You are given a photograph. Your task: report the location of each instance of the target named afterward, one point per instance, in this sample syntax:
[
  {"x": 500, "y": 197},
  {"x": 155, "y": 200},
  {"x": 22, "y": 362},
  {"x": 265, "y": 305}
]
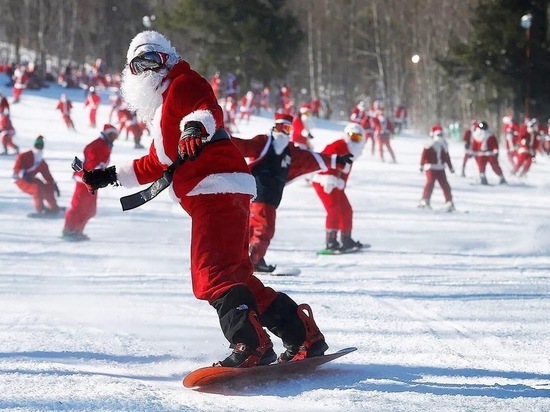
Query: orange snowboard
[{"x": 218, "y": 375}]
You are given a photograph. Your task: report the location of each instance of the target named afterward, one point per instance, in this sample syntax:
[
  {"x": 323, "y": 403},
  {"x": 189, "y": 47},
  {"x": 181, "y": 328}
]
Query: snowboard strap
[{"x": 139, "y": 198}]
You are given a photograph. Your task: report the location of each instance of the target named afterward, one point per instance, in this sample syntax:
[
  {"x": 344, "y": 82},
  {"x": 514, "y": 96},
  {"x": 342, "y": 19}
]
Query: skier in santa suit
[
  {"x": 273, "y": 162},
  {"x": 528, "y": 145},
  {"x": 214, "y": 186},
  {"x": 359, "y": 114},
  {"x": 434, "y": 158},
  {"x": 6, "y": 134},
  {"x": 97, "y": 155},
  {"x": 64, "y": 105},
  {"x": 301, "y": 128},
  {"x": 467, "y": 140},
  {"x": 485, "y": 150},
  {"x": 30, "y": 164},
  {"x": 92, "y": 102},
  {"x": 330, "y": 186},
  {"x": 383, "y": 129},
  {"x": 20, "y": 80},
  {"x": 510, "y": 132}
]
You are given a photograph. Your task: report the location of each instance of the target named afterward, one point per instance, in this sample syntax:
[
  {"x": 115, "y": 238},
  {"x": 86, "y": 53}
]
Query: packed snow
[{"x": 449, "y": 311}]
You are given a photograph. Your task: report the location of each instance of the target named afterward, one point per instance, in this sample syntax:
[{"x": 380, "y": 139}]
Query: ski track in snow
[{"x": 449, "y": 310}]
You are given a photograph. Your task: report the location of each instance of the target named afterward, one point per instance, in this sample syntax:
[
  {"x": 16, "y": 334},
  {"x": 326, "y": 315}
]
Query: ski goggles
[
  {"x": 355, "y": 137},
  {"x": 152, "y": 60},
  {"x": 283, "y": 128}
]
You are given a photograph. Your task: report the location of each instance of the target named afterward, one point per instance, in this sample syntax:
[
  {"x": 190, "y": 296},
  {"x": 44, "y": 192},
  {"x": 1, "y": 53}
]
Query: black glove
[
  {"x": 451, "y": 170},
  {"x": 191, "y": 140},
  {"x": 343, "y": 160},
  {"x": 98, "y": 178},
  {"x": 309, "y": 136},
  {"x": 57, "y": 191}
]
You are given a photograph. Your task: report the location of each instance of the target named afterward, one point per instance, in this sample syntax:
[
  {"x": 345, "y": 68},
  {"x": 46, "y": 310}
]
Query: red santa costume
[
  {"x": 485, "y": 150},
  {"x": 528, "y": 145},
  {"x": 383, "y": 129},
  {"x": 97, "y": 155},
  {"x": 330, "y": 186},
  {"x": 467, "y": 140},
  {"x": 246, "y": 106},
  {"x": 116, "y": 102},
  {"x": 20, "y": 80},
  {"x": 215, "y": 83},
  {"x": 64, "y": 105},
  {"x": 4, "y": 105},
  {"x": 435, "y": 156},
  {"x": 92, "y": 102},
  {"x": 301, "y": 128},
  {"x": 30, "y": 164},
  {"x": 128, "y": 120},
  {"x": 510, "y": 133},
  {"x": 215, "y": 188},
  {"x": 273, "y": 163},
  {"x": 400, "y": 118},
  {"x": 7, "y": 132}
]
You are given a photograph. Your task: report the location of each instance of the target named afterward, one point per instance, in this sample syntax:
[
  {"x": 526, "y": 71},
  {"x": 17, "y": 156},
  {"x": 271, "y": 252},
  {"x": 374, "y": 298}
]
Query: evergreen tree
[
  {"x": 496, "y": 53},
  {"x": 253, "y": 38}
]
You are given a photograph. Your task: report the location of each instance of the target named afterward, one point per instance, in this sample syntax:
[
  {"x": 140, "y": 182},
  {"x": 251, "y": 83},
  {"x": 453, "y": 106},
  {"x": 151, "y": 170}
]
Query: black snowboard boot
[
  {"x": 296, "y": 327},
  {"x": 240, "y": 324},
  {"x": 349, "y": 243},
  {"x": 261, "y": 266},
  {"x": 332, "y": 243}
]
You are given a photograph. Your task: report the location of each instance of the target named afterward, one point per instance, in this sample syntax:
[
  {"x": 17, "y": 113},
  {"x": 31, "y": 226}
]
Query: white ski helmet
[
  {"x": 151, "y": 40},
  {"x": 354, "y": 128}
]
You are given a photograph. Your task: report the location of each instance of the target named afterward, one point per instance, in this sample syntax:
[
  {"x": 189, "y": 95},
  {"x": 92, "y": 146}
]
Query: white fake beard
[
  {"x": 356, "y": 148},
  {"x": 143, "y": 92},
  {"x": 280, "y": 142}
]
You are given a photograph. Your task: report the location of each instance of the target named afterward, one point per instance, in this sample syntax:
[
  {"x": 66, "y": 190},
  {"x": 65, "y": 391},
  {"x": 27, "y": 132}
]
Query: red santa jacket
[
  {"x": 30, "y": 163},
  {"x": 220, "y": 168},
  {"x": 435, "y": 156},
  {"x": 383, "y": 127},
  {"x": 335, "y": 178},
  {"x": 4, "y": 105},
  {"x": 6, "y": 124},
  {"x": 300, "y": 132},
  {"x": 485, "y": 147},
  {"x": 64, "y": 107},
  {"x": 92, "y": 100},
  {"x": 528, "y": 142}
]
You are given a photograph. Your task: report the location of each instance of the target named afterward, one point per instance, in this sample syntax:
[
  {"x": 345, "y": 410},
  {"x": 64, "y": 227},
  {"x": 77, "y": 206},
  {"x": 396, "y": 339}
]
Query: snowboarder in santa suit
[
  {"x": 7, "y": 132},
  {"x": 214, "y": 186},
  {"x": 301, "y": 128},
  {"x": 30, "y": 164},
  {"x": 485, "y": 150},
  {"x": 330, "y": 186},
  {"x": 528, "y": 145},
  {"x": 434, "y": 158},
  {"x": 97, "y": 155},
  {"x": 64, "y": 105},
  {"x": 273, "y": 163}
]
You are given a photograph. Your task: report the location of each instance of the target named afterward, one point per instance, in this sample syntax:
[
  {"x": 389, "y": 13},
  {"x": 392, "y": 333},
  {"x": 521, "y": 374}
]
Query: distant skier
[
  {"x": 434, "y": 158},
  {"x": 467, "y": 140},
  {"x": 64, "y": 105},
  {"x": 92, "y": 102},
  {"x": 32, "y": 175},
  {"x": 485, "y": 150},
  {"x": 529, "y": 143},
  {"x": 383, "y": 130},
  {"x": 301, "y": 128},
  {"x": 274, "y": 162},
  {"x": 330, "y": 186},
  {"x": 7, "y": 132}
]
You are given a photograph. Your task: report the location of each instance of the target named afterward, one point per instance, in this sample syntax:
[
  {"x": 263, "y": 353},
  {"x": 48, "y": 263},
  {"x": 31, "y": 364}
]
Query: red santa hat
[
  {"x": 151, "y": 40},
  {"x": 283, "y": 118},
  {"x": 108, "y": 129},
  {"x": 305, "y": 108},
  {"x": 436, "y": 130}
]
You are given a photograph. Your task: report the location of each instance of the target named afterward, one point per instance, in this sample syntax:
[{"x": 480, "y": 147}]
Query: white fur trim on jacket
[
  {"x": 127, "y": 176},
  {"x": 203, "y": 116},
  {"x": 158, "y": 139},
  {"x": 225, "y": 183},
  {"x": 321, "y": 162}
]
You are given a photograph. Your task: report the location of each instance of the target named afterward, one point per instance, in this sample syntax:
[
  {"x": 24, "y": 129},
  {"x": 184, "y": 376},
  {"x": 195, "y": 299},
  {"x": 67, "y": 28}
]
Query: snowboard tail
[{"x": 219, "y": 375}]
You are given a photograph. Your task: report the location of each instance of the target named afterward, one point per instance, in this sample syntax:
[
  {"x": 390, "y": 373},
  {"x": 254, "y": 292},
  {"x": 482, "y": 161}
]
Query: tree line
[{"x": 474, "y": 59}]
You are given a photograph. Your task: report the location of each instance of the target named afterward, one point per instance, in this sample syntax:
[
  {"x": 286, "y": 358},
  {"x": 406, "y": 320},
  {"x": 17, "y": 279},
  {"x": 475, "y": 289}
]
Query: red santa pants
[
  {"x": 83, "y": 208},
  {"x": 262, "y": 229},
  {"x": 93, "y": 115},
  {"x": 339, "y": 211},
  {"x": 17, "y": 91},
  {"x": 384, "y": 141},
  {"x": 492, "y": 160},
  {"x": 431, "y": 177},
  {"x": 523, "y": 160},
  {"x": 40, "y": 191},
  {"x": 219, "y": 247},
  {"x": 7, "y": 140}
]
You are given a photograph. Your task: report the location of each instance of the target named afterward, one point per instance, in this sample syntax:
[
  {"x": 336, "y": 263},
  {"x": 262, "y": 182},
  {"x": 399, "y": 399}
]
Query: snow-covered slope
[{"x": 450, "y": 312}]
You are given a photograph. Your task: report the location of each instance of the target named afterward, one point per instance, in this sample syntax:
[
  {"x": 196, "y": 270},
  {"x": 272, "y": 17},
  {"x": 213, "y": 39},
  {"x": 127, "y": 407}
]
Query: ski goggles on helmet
[
  {"x": 355, "y": 137},
  {"x": 283, "y": 128},
  {"x": 152, "y": 60}
]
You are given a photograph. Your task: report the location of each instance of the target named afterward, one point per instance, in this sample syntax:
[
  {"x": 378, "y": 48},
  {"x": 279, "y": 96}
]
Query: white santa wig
[{"x": 151, "y": 40}]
